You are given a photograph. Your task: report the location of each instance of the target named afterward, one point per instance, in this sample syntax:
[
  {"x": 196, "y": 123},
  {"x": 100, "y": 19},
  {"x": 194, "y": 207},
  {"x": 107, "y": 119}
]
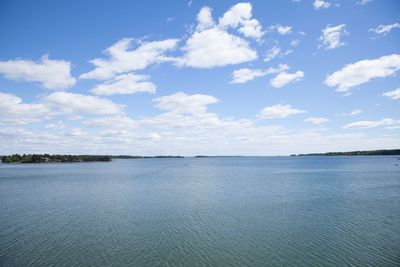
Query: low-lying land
[
  {"x": 43, "y": 158},
  {"x": 382, "y": 152}
]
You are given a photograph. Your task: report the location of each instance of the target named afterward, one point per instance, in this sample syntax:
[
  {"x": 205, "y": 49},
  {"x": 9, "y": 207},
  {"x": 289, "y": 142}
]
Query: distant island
[
  {"x": 146, "y": 157},
  {"x": 382, "y": 152},
  {"x": 46, "y": 158}
]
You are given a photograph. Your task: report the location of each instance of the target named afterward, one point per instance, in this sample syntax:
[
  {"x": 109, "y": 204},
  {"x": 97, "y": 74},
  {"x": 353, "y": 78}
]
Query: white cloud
[
  {"x": 278, "y": 111},
  {"x": 371, "y": 124},
  {"x": 76, "y": 103},
  {"x": 285, "y": 78},
  {"x": 244, "y": 75},
  {"x": 58, "y": 125},
  {"x": 282, "y": 29},
  {"x": 363, "y": 71},
  {"x": 295, "y": 42},
  {"x": 317, "y": 120},
  {"x": 113, "y": 122},
  {"x": 330, "y": 38},
  {"x": 395, "y": 94},
  {"x": 363, "y": 2},
  {"x": 52, "y": 74},
  {"x": 211, "y": 45},
  {"x": 274, "y": 52},
  {"x": 125, "y": 84},
  {"x": 216, "y": 48},
  {"x": 122, "y": 60},
  {"x": 240, "y": 15},
  {"x": 318, "y": 4},
  {"x": 14, "y": 111},
  {"x": 185, "y": 104},
  {"x": 251, "y": 28},
  {"x": 204, "y": 19},
  {"x": 355, "y": 112},
  {"x": 385, "y": 29}
]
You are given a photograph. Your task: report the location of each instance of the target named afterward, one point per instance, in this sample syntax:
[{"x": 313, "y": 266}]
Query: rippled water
[{"x": 274, "y": 211}]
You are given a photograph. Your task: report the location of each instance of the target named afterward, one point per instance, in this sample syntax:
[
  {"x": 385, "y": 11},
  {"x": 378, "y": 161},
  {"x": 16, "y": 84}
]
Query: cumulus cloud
[
  {"x": 317, "y": 120},
  {"x": 125, "y": 84},
  {"x": 204, "y": 19},
  {"x": 77, "y": 103},
  {"x": 395, "y": 94},
  {"x": 385, "y": 29},
  {"x": 52, "y": 74},
  {"x": 216, "y": 48},
  {"x": 185, "y": 104},
  {"x": 122, "y": 59},
  {"x": 331, "y": 35},
  {"x": 321, "y": 4},
  {"x": 14, "y": 111},
  {"x": 211, "y": 45},
  {"x": 363, "y": 71},
  {"x": 245, "y": 74},
  {"x": 285, "y": 78},
  {"x": 240, "y": 15},
  {"x": 371, "y": 124},
  {"x": 278, "y": 111}
]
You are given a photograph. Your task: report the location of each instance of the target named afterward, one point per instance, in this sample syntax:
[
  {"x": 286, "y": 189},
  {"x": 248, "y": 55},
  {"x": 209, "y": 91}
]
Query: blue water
[{"x": 261, "y": 211}]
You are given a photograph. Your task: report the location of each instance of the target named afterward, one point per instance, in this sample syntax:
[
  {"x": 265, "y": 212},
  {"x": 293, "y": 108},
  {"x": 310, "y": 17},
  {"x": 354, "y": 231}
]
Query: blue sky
[{"x": 199, "y": 77}]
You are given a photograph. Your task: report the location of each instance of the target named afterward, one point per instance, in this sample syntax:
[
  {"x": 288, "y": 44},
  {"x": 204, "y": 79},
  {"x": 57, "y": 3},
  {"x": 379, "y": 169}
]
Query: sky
[{"x": 199, "y": 77}]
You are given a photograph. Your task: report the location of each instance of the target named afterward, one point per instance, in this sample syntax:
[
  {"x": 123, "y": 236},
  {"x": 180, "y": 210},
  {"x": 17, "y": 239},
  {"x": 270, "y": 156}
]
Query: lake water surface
[{"x": 249, "y": 211}]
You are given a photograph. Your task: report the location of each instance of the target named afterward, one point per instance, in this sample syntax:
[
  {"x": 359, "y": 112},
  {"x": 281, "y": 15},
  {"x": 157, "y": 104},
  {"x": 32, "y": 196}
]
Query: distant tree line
[
  {"x": 39, "y": 158},
  {"x": 144, "y": 157},
  {"x": 382, "y": 152}
]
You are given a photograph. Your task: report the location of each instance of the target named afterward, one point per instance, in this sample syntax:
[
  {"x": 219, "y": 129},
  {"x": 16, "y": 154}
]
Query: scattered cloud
[
  {"x": 281, "y": 29},
  {"x": 321, "y": 4},
  {"x": 363, "y": 71},
  {"x": 185, "y": 104},
  {"x": 363, "y": 2},
  {"x": 331, "y": 35},
  {"x": 317, "y": 120},
  {"x": 395, "y": 94},
  {"x": 278, "y": 111},
  {"x": 285, "y": 78},
  {"x": 355, "y": 112},
  {"x": 122, "y": 59},
  {"x": 57, "y": 125},
  {"x": 295, "y": 42},
  {"x": 371, "y": 124},
  {"x": 77, "y": 103},
  {"x": 52, "y": 74},
  {"x": 385, "y": 29},
  {"x": 274, "y": 52},
  {"x": 244, "y": 75},
  {"x": 14, "y": 111},
  {"x": 125, "y": 84},
  {"x": 112, "y": 122}
]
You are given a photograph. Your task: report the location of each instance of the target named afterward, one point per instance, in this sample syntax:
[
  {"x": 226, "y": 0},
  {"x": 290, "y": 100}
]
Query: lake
[{"x": 224, "y": 211}]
